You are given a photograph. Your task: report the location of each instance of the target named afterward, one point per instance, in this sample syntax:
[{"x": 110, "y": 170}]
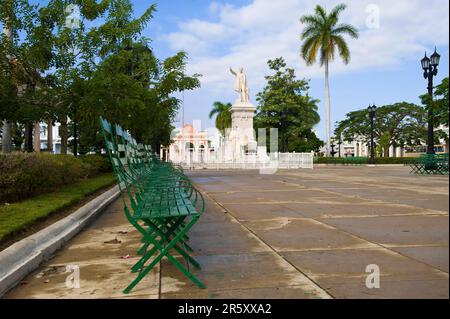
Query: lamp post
[
  {"x": 333, "y": 152},
  {"x": 429, "y": 66},
  {"x": 339, "y": 145},
  {"x": 372, "y": 112}
]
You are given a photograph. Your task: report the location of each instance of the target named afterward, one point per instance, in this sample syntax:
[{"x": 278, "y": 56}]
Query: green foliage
[
  {"x": 324, "y": 34},
  {"x": 17, "y": 216},
  {"x": 404, "y": 123},
  {"x": 441, "y": 102},
  {"x": 364, "y": 160},
  {"x": 285, "y": 104},
  {"x": 79, "y": 74},
  {"x": 222, "y": 111},
  {"x": 96, "y": 164},
  {"x": 383, "y": 144},
  {"x": 23, "y": 175}
]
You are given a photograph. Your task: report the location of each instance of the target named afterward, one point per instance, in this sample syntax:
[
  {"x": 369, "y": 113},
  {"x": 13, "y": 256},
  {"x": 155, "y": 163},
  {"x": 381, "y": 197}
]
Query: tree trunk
[
  {"x": 64, "y": 134},
  {"x": 37, "y": 138},
  {"x": 6, "y": 129},
  {"x": 29, "y": 137},
  {"x": 328, "y": 107},
  {"x": 75, "y": 139},
  {"x": 49, "y": 135},
  {"x": 386, "y": 152}
]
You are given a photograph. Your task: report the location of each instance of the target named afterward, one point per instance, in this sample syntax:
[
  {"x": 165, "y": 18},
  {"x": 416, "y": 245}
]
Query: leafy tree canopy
[
  {"x": 284, "y": 103},
  {"x": 402, "y": 123}
]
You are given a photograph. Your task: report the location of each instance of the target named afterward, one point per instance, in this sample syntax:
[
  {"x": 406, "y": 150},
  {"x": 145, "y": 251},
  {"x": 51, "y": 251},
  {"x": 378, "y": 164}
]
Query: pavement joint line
[
  {"x": 415, "y": 245},
  {"x": 270, "y": 247},
  {"x": 383, "y": 246},
  {"x": 241, "y": 288},
  {"x": 361, "y": 197},
  {"x": 348, "y": 233},
  {"x": 395, "y": 186},
  {"x": 382, "y": 215}
]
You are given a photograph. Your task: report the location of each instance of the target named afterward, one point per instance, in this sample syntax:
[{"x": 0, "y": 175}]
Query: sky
[{"x": 385, "y": 65}]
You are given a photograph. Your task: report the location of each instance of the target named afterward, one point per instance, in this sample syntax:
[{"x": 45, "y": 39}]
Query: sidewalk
[
  {"x": 235, "y": 265},
  {"x": 296, "y": 234}
]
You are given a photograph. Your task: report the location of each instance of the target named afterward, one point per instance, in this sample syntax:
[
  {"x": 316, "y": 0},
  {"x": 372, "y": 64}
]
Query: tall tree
[
  {"x": 16, "y": 16},
  {"x": 285, "y": 104},
  {"x": 403, "y": 124},
  {"x": 222, "y": 111},
  {"x": 322, "y": 35},
  {"x": 442, "y": 103}
]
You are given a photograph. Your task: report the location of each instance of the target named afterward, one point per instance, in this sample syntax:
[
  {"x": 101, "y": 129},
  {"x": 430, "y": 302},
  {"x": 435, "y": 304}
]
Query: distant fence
[{"x": 247, "y": 162}]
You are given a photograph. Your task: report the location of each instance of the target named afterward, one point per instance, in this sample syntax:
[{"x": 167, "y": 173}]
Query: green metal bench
[
  {"x": 159, "y": 201},
  {"x": 430, "y": 164}
]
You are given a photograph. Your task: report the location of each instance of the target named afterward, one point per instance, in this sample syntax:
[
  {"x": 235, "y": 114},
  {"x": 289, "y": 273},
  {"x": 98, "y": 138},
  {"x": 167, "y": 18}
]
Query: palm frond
[
  {"x": 344, "y": 51},
  {"x": 321, "y": 12},
  {"x": 310, "y": 31},
  {"x": 337, "y": 10},
  {"x": 309, "y": 49},
  {"x": 311, "y": 20},
  {"x": 346, "y": 29},
  {"x": 323, "y": 33}
]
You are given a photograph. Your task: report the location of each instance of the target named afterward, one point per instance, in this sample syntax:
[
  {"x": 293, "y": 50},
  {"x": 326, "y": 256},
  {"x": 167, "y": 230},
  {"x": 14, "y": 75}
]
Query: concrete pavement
[{"x": 294, "y": 234}]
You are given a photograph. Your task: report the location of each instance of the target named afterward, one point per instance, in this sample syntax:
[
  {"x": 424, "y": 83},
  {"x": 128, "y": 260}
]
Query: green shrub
[
  {"x": 362, "y": 160},
  {"x": 23, "y": 175},
  {"x": 395, "y": 160},
  {"x": 99, "y": 163}
]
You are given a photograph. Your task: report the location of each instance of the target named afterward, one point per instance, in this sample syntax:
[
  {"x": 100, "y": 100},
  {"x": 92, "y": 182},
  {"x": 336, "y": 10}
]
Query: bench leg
[{"x": 164, "y": 251}]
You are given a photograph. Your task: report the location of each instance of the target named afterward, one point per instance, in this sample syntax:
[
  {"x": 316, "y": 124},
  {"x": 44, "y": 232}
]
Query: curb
[
  {"x": 23, "y": 257},
  {"x": 362, "y": 165}
]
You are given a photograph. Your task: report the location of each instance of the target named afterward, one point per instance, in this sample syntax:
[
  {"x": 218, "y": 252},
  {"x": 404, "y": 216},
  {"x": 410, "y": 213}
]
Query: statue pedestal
[{"x": 242, "y": 135}]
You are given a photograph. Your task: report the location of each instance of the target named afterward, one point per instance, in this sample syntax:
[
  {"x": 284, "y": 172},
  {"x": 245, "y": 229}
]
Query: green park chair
[{"x": 159, "y": 201}]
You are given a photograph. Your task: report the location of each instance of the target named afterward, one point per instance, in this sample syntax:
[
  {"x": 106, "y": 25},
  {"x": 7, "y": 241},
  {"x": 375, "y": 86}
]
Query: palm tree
[
  {"x": 323, "y": 34},
  {"x": 223, "y": 119}
]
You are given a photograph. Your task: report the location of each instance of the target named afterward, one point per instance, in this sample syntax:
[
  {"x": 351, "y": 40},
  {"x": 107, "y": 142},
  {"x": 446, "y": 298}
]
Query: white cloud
[{"x": 250, "y": 35}]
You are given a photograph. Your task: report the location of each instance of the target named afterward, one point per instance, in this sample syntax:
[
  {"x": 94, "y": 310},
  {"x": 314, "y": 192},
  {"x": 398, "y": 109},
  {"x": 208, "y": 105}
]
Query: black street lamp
[
  {"x": 333, "y": 152},
  {"x": 372, "y": 112},
  {"x": 429, "y": 66},
  {"x": 339, "y": 145}
]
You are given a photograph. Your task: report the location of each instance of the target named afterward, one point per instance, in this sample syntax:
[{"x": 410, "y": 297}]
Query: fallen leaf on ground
[{"x": 113, "y": 241}]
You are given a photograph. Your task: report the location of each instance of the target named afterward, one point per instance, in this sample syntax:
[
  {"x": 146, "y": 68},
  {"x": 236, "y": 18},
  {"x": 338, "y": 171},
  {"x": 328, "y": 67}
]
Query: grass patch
[{"x": 18, "y": 216}]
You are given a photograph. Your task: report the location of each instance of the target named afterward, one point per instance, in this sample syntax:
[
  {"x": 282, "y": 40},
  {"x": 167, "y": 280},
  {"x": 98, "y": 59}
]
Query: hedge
[
  {"x": 362, "y": 160},
  {"x": 18, "y": 216},
  {"x": 23, "y": 175}
]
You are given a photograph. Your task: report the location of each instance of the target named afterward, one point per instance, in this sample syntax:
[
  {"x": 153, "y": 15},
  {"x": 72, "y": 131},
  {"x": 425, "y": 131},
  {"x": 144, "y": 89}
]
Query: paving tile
[
  {"x": 291, "y": 292},
  {"x": 434, "y": 256},
  {"x": 97, "y": 280},
  {"x": 335, "y": 210},
  {"x": 409, "y": 230},
  {"x": 220, "y": 272},
  {"x": 249, "y": 212},
  {"x": 343, "y": 273},
  {"x": 288, "y": 234}
]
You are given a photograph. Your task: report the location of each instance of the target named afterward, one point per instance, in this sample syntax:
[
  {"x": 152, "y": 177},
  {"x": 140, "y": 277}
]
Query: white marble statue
[{"x": 241, "y": 85}]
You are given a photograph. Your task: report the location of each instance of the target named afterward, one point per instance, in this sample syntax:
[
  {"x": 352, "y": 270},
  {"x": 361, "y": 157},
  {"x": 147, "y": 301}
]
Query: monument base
[{"x": 242, "y": 136}]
